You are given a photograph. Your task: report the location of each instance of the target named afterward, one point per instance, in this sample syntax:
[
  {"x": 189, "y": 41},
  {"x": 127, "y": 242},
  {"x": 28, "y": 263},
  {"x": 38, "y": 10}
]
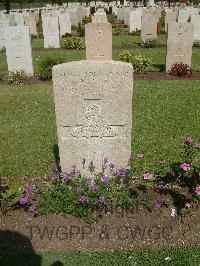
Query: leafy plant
[
  {"x": 86, "y": 20},
  {"x": 9, "y": 195},
  {"x": 150, "y": 44},
  {"x": 118, "y": 29},
  {"x": 140, "y": 63},
  {"x": 196, "y": 44},
  {"x": 125, "y": 56},
  {"x": 45, "y": 66},
  {"x": 136, "y": 32},
  {"x": 74, "y": 43},
  {"x": 15, "y": 77},
  {"x": 181, "y": 70},
  {"x": 80, "y": 30}
]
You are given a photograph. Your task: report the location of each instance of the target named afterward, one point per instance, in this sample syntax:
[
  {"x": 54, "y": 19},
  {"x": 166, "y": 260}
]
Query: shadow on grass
[
  {"x": 56, "y": 153},
  {"x": 16, "y": 249},
  {"x": 161, "y": 67}
]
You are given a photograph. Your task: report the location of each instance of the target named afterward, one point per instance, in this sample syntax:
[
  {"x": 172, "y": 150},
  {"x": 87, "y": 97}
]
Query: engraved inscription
[{"x": 94, "y": 127}]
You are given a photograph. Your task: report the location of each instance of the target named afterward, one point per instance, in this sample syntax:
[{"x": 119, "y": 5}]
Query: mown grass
[
  {"x": 163, "y": 113},
  {"x": 175, "y": 257}
]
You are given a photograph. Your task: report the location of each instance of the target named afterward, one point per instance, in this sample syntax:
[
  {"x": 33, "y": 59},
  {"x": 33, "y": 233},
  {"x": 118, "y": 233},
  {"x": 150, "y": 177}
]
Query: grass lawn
[
  {"x": 185, "y": 256},
  {"x": 163, "y": 113}
]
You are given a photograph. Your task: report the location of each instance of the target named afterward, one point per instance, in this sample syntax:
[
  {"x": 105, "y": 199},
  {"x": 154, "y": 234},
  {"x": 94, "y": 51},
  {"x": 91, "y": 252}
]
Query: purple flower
[
  {"x": 67, "y": 177},
  {"x": 32, "y": 208},
  {"x": 101, "y": 199},
  {"x": 188, "y": 140},
  {"x": 157, "y": 205},
  {"x": 24, "y": 199},
  {"x": 140, "y": 155},
  {"x": 197, "y": 145},
  {"x": 121, "y": 172},
  {"x": 147, "y": 176},
  {"x": 54, "y": 168},
  {"x": 36, "y": 178},
  {"x": 88, "y": 182},
  {"x": 55, "y": 177},
  {"x": 30, "y": 189},
  {"x": 112, "y": 166},
  {"x": 197, "y": 190},
  {"x": 185, "y": 166},
  {"x": 105, "y": 179},
  {"x": 95, "y": 187},
  {"x": 105, "y": 163},
  {"x": 83, "y": 199}
]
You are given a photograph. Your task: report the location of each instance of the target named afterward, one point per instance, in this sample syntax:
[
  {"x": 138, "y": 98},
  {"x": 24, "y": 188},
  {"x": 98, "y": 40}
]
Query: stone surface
[
  {"x": 98, "y": 41},
  {"x": 93, "y": 103},
  {"x": 183, "y": 16},
  {"x": 100, "y": 17},
  {"x": 4, "y": 24},
  {"x": 19, "y": 18},
  {"x": 135, "y": 20},
  {"x": 18, "y": 49},
  {"x": 149, "y": 26},
  {"x": 50, "y": 31},
  {"x": 65, "y": 23},
  {"x": 170, "y": 17},
  {"x": 179, "y": 44},
  {"x": 30, "y": 21}
]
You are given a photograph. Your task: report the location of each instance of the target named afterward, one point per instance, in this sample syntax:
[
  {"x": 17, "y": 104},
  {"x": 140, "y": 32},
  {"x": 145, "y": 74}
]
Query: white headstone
[
  {"x": 93, "y": 102},
  {"x": 18, "y": 49},
  {"x": 65, "y": 23},
  {"x": 50, "y": 31}
]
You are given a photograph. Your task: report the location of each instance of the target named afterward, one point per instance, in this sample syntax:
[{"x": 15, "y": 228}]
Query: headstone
[
  {"x": 30, "y": 21},
  {"x": 98, "y": 41},
  {"x": 149, "y": 26},
  {"x": 179, "y": 44},
  {"x": 19, "y": 18},
  {"x": 65, "y": 23},
  {"x": 100, "y": 17},
  {"x": 183, "y": 16},
  {"x": 18, "y": 49},
  {"x": 50, "y": 31},
  {"x": 135, "y": 20},
  {"x": 93, "y": 102},
  {"x": 74, "y": 16},
  {"x": 170, "y": 17},
  {"x": 4, "y": 24},
  {"x": 11, "y": 18}
]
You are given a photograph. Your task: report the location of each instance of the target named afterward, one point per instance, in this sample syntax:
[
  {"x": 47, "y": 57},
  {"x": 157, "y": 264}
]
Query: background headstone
[
  {"x": 98, "y": 41},
  {"x": 179, "y": 44},
  {"x": 18, "y": 49},
  {"x": 50, "y": 31}
]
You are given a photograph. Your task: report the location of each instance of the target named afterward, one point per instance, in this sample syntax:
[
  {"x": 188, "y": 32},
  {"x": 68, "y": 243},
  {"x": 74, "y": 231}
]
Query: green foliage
[
  {"x": 136, "y": 32},
  {"x": 9, "y": 195},
  {"x": 118, "y": 29},
  {"x": 140, "y": 62},
  {"x": 196, "y": 44},
  {"x": 15, "y": 77},
  {"x": 74, "y": 43},
  {"x": 45, "y": 66},
  {"x": 150, "y": 44},
  {"x": 125, "y": 56},
  {"x": 80, "y": 30},
  {"x": 86, "y": 20},
  {"x": 162, "y": 22},
  {"x": 181, "y": 70},
  {"x": 92, "y": 10}
]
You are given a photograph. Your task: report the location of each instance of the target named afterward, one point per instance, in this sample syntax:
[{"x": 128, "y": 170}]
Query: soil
[
  {"x": 143, "y": 76},
  {"x": 120, "y": 230}
]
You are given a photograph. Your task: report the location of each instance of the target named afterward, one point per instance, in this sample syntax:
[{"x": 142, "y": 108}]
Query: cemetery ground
[{"x": 164, "y": 112}]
